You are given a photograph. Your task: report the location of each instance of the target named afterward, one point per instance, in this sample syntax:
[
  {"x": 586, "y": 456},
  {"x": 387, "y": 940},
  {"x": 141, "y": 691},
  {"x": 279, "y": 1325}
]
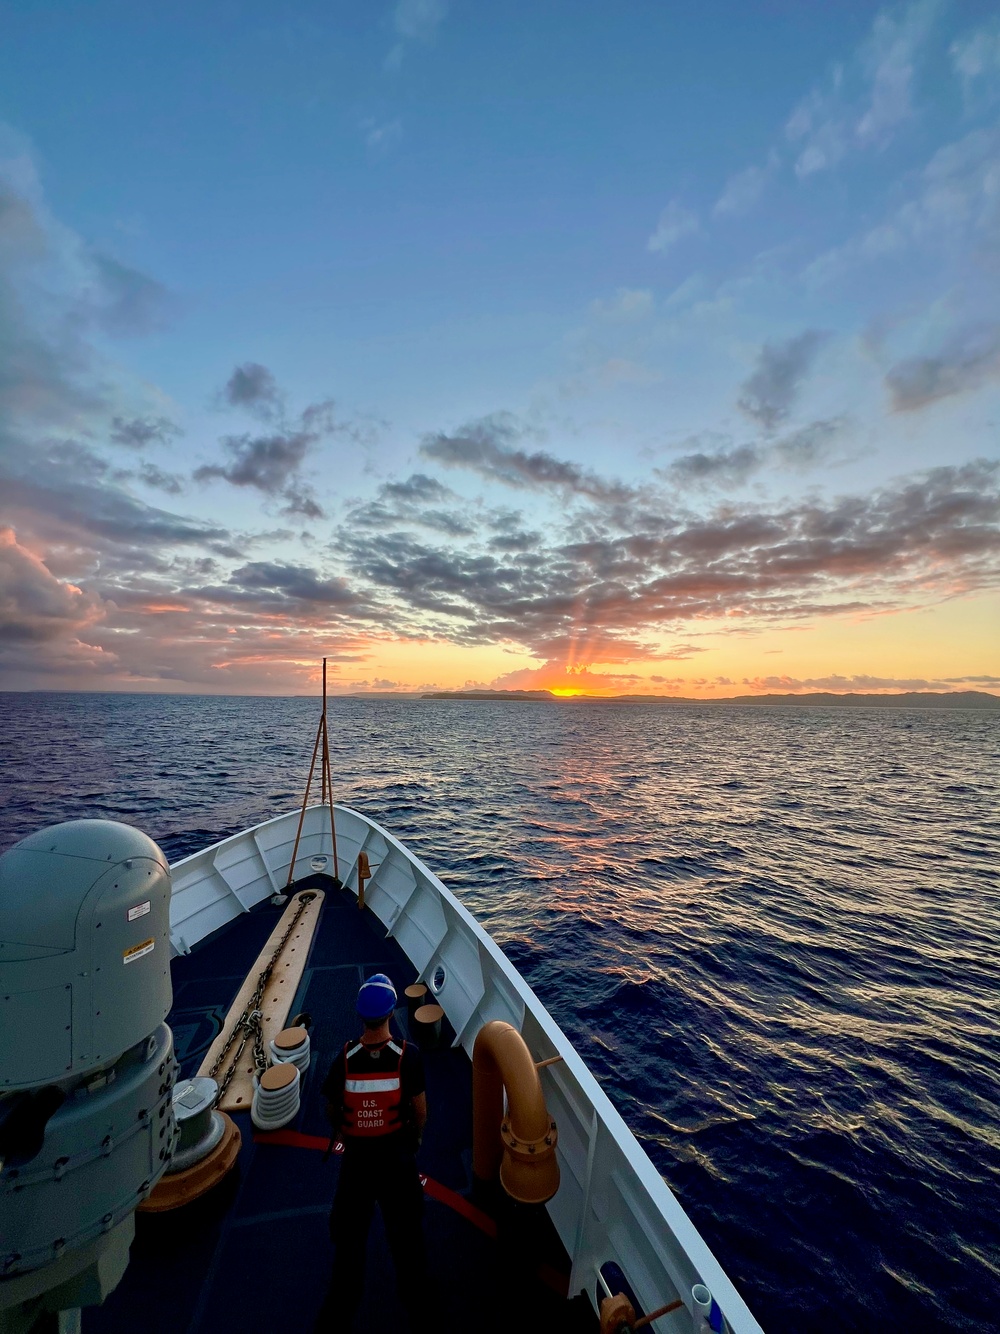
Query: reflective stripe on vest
[{"x": 373, "y": 1100}]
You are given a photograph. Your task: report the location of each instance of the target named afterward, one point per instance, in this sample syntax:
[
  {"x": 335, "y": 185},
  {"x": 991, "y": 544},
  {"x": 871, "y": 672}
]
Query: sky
[{"x": 596, "y": 347}]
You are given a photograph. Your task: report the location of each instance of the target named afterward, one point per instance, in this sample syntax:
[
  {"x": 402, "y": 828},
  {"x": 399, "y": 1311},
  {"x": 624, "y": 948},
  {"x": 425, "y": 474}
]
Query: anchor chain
[{"x": 251, "y": 1021}]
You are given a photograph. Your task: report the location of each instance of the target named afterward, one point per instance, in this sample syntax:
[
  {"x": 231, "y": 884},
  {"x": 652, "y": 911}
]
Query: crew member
[{"x": 377, "y": 1104}]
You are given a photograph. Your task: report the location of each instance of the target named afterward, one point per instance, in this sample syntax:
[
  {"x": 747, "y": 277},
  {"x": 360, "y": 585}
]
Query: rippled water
[{"x": 772, "y": 933}]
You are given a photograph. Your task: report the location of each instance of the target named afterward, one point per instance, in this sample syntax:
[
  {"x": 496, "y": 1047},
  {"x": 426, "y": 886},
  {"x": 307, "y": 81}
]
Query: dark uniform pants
[{"x": 394, "y": 1185}]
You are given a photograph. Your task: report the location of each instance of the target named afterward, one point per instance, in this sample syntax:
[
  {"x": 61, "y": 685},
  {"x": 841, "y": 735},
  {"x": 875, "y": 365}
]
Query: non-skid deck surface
[{"x": 254, "y": 1254}]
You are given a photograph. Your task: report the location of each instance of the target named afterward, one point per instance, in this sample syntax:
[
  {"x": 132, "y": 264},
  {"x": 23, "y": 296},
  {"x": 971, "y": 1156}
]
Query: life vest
[{"x": 373, "y": 1099}]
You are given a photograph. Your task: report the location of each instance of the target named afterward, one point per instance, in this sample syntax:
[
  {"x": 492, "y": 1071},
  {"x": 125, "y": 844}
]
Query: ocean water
[{"x": 773, "y": 933}]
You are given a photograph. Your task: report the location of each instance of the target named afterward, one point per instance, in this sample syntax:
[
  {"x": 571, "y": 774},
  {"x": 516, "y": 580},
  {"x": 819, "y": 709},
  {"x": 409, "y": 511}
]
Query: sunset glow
[{"x": 565, "y": 401}]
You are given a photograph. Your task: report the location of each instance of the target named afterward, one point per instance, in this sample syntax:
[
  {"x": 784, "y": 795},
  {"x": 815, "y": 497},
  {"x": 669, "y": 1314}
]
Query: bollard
[
  {"x": 276, "y": 1096},
  {"x": 416, "y": 995},
  {"x": 426, "y": 1026},
  {"x": 292, "y": 1044}
]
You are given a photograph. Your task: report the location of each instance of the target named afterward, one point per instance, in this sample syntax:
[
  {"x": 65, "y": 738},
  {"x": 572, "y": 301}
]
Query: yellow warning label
[{"x": 137, "y": 951}]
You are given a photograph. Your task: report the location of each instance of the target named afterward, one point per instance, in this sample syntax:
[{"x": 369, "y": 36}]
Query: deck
[{"x": 254, "y": 1254}]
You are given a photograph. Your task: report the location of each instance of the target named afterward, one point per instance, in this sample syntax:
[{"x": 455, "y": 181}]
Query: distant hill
[
  {"x": 491, "y": 694},
  {"x": 910, "y": 699}
]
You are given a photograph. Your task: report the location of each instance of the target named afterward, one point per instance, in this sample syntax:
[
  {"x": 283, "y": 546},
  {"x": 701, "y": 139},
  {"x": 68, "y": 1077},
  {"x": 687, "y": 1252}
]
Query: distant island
[
  {"x": 910, "y": 699},
  {"x": 501, "y": 694}
]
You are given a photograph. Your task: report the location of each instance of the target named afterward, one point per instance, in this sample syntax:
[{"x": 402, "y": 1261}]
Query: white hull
[{"x": 612, "y": 1204}]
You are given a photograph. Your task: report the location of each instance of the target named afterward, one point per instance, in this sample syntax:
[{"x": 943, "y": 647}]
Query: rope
[{"x": 326, "y": 790}]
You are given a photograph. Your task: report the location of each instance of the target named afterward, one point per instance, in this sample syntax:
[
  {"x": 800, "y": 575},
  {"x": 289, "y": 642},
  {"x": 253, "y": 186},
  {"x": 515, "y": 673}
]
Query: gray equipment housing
[
  {"x": 86, "y": 1061},
  {"x": 84, "y": 949}
]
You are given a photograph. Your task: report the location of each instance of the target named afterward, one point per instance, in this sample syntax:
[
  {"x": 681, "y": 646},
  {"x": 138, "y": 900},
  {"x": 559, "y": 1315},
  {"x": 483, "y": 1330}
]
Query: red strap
[
  {"x": 294, "y": 1139},
  {"x": 443, "y": 1194},
  {"x": 460, "y": 1204}
]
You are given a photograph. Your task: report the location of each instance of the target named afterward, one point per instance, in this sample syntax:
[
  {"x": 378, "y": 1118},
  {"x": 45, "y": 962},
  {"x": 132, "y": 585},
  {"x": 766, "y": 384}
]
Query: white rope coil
[
  {"x": 273, "y": 1108},
  {"x": 299, "y": 1056}
]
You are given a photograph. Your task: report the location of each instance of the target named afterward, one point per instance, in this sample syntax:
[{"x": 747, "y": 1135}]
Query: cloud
[
  {"x": 58, "y": 492},
  {"x": 891, "y": 55},
  {"x": 628, "y": 305},
  {"x": 623, "y": 580},
  {"x": 418, "y": 488},
  {"x": 125, "y": 301},
  {"x": 809, "y": 444},
  {"x": 265, "y": 462},
  {"x": 954, "y": 202},
  {"x": 819, "y": 126},
  {"x": 414, "y": 21},
  {"x": 254, "y": 387},
  {"x": 299, "y": 503},
  {"x": 34, "y": 605},
  {"x": 970, "y": 359},
  {"x": 556, "y": 676},
  {"x": 858, "y": 684},
  {"x": 674, "y": 224},
  {"x": 48, "y": 370},
  {"x": 863, "y": 103},
  {"x": 66, "y": 499},
  {"x": 271, "y": 461},
  {"x": 769, "y": 392},
  {"x": 296, "y": 583},
  {"x": 102, "y": 586},
  {"x": 92, "y": 577},
  {"x": 21, "y": 232},
  {"x": 976, "y": 60},
  {"x": 487, "y": 447},
  {"x": 169, "y": 482},
  {"x": 744, "y": 189},
  {"x": 721, "y": 467},
  {"x": 140, "y": 432},
  {"x": 420, "y": 500}
]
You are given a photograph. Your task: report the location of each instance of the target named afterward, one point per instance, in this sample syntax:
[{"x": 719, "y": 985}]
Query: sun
[{"x": 565, "y": 692}]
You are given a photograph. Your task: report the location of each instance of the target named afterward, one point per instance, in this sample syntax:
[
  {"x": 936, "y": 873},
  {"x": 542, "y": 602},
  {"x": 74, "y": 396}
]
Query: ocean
[{"x": 773, "y": 934}]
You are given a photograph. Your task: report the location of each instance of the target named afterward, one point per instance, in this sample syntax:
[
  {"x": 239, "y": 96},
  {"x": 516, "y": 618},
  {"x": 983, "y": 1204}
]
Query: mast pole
[
  {"x": 328, "y": 779},
  {"x": 322, "y": 736},
  {"x": 322, "y": 723}
]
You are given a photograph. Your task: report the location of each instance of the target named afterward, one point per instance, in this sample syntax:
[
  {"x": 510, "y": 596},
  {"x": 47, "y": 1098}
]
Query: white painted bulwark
[{"x": 612, "y": 1204}]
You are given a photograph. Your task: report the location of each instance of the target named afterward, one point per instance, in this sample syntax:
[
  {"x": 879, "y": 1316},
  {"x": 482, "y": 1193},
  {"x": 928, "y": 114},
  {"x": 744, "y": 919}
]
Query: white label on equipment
[
  {"x": 137, "y": 951},
  {"x": 140, "y": 910}
]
